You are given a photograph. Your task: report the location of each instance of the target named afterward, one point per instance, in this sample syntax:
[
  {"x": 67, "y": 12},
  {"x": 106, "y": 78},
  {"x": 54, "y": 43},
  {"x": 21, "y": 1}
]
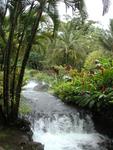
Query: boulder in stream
[
  {"x": 42, "y": 86},
  {"x": 33, "y": 146}
]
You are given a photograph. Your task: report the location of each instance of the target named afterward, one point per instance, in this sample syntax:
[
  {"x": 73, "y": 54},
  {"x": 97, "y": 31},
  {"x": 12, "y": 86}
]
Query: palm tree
[
  {"x": 70, "y": 45},
  {"x": 17, "y": 10}
]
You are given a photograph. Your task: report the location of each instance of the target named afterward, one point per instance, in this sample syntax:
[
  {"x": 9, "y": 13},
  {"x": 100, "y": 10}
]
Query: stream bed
[{"x": 58, "y": 126}]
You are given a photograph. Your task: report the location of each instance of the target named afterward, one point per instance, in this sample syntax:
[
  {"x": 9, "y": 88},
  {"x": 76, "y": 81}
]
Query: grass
[{"x": 25, "y": 107}]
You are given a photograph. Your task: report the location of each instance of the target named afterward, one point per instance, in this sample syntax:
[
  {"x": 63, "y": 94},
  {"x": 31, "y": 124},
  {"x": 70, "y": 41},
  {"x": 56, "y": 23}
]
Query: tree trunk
[
  {"x": 6, "y": 95},
  {"x": 14, "y": 71},
  {"x": 13, "y": 84},
  {"x": 25, "y": 59}
]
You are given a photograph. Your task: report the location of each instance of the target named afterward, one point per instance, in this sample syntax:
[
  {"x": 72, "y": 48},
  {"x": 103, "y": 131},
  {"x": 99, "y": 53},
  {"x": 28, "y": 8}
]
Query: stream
[{"x": 58, "y": 126}]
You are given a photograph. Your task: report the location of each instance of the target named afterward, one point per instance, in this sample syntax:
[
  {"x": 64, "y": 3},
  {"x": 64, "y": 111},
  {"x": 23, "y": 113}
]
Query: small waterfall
[
  {"x": 60, "y": 127},
  {"x": 63, "y": 123},
  {"x": 66, "y": 132}
]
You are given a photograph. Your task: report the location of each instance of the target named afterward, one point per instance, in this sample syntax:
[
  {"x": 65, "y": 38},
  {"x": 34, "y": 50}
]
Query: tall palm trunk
[
  {"x": 6, "y": 95},
  {"x": 25, "y": 59},
  {"x": 13, "y": 83}
]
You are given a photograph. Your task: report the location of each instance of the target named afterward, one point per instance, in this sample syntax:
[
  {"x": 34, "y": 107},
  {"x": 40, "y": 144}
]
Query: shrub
[
  {"x": 90, "y": 60},
  {"x": 35, "y": 60},
  {"x": 94, "y": 91}
]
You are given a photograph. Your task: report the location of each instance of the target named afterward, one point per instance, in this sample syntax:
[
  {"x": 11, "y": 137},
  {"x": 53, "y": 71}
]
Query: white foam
[{"x": 30, "y": 85}]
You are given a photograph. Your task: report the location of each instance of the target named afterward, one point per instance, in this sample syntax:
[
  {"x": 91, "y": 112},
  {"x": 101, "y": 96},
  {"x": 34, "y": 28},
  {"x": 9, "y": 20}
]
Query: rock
[
  {"x": 24, "y": 140},
  {"x": 1, "y": 148},
  {"x": 26, "y": 144},
  {"x": 103, "y": 120},
  {"x": 30, "y": 134},
  {"x": 33, "y": 146},
  {"x": 23, "y": 125},
  {"x": 41, "y": 87}
]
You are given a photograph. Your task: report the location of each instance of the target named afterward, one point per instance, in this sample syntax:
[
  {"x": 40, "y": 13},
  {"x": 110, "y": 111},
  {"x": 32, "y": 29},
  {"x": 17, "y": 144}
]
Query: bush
[
  {"x": 38, "y": 76},
  {"x": 91, "y": 90},
  {"x": 35, "y": 60},
  {"x": 90, "y": 60}
]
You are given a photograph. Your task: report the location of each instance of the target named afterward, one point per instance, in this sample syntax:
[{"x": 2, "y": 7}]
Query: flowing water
[{"x": 58, "y": 126}]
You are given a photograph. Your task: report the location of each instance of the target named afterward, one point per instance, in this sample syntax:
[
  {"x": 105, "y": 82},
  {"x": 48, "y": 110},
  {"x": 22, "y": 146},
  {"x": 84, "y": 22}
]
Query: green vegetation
[
  {"x": 89, "y": 88},
  {"x": 32, "y": 36},
  {"x": 31, "y": 74},
  {"x": 74, "y": 57},
  {"x": 25, "y": 29},
  {"x": 84, "y": 74},
  {"x": 24, "y": 108}
]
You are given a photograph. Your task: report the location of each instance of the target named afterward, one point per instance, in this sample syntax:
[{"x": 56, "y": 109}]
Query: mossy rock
[
  {"x": 33, "y": 146},
  {"x": 14, "y": 139}
]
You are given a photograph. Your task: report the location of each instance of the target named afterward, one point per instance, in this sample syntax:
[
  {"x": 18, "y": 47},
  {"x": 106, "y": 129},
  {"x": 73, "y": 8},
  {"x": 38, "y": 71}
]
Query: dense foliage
[
  {"x": 70, "y": 46},
  {"x": 21, "y": 24},
  {"x": 92, "y": 88},
  {"x": 32, "y": 35}
]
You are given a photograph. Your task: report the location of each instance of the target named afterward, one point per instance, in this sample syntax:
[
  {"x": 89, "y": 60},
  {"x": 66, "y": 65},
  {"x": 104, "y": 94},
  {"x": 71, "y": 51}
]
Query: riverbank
[
  {"x": 102, "y": 117},
  {"x": 17, "y": 135},
  {"x": 16, "y": 139},
  {"x": 103, "y": 121},
  {"x": 52, "y": 119}
]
